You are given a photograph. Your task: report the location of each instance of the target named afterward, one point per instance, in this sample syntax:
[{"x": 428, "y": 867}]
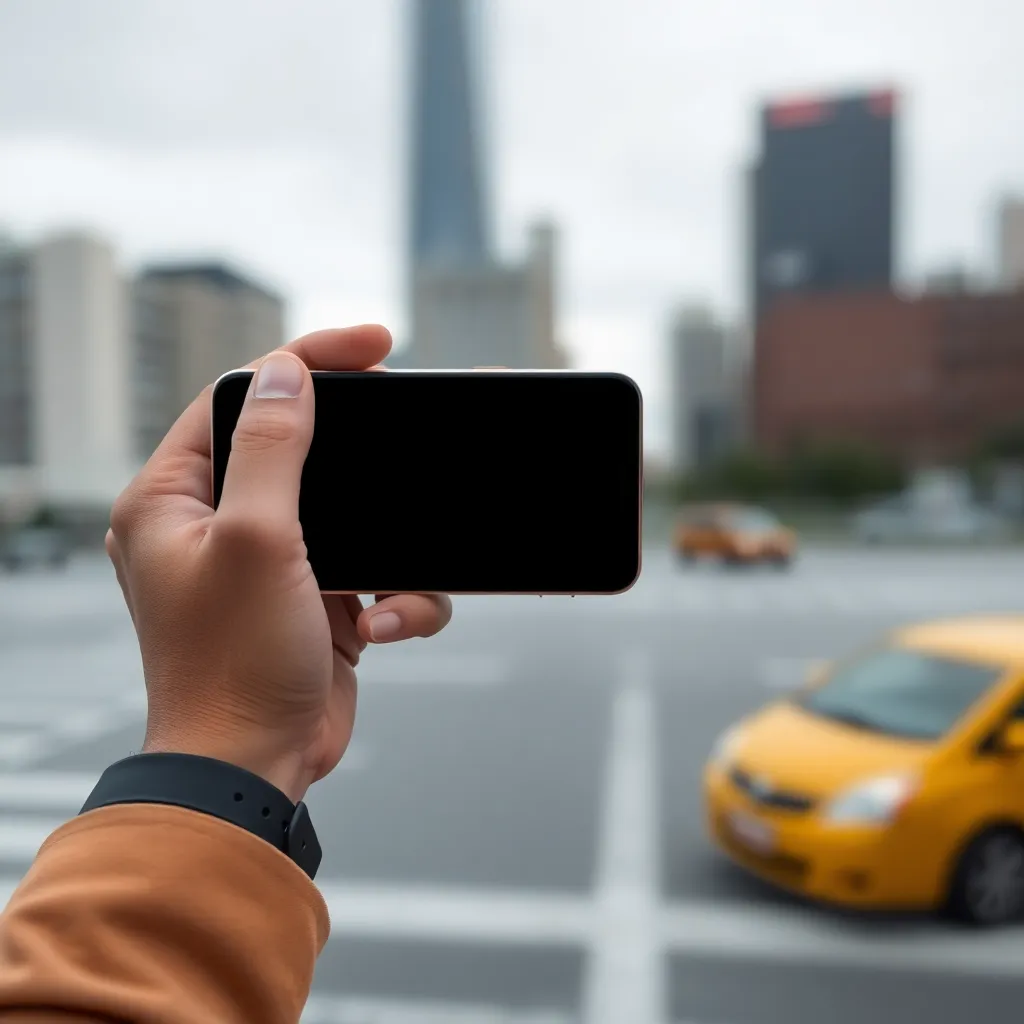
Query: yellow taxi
[
  {"x": 891, "y": 780},
  {"x": 735, "y": 534}
]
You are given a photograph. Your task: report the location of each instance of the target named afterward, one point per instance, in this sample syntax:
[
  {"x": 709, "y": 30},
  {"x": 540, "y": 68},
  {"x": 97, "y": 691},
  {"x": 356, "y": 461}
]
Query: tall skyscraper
[
  {"x": 193, "y": 322},
  {"x": 449, "y": 223},
  {"x": 822, "y": 211},
  {"x": 467, "y": 307}
]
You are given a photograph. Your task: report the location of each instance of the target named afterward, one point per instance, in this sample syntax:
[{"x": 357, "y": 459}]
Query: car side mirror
[{"x": 1011, "y": 739}]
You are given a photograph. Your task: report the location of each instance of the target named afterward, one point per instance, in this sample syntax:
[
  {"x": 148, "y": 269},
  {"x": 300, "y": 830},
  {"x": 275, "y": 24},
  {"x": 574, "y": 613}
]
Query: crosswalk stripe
[
  {"x": 463, "y": 914},
  {"x": 797, "y": 935},
  {"x": 16, "y": 744},
  {"x": 697, "y": 927},
  {"x": 321, "y": 1009},
  {"x": 421, "y": 668},
  {"x": 49, "y": 791},
  {"x": 22, "y": 835},
  {"x": 30, "y": 711}
]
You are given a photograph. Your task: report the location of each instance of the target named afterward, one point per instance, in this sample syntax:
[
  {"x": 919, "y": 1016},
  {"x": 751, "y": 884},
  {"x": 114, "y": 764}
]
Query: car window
[
  {"x": 699, "y": 518},
  {"x": 901, "y": 692},
  {"x": 754, "y": 520}
]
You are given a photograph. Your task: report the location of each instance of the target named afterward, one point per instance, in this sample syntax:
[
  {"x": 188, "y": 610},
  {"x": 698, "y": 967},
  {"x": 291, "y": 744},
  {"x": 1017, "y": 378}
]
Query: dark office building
[{"x": 822, "y": 197}]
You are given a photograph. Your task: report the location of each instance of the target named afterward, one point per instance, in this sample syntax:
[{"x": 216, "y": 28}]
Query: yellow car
[{"x": 892, "y": 780}]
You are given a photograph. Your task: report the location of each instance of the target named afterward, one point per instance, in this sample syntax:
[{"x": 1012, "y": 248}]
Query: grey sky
[{"x": 273, "y": 132}]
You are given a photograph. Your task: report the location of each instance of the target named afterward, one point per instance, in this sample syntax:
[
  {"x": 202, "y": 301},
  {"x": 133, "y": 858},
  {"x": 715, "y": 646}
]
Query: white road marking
[
  {"x": 345, "y": 1010},
  {"x": 428, "y": 669},
  {"x": 806, "y": 936},
  {"x": 49, "y": 791},
  {"x": 695, "y": 927},
  {"x": 22, "y": 835},
  {"x": 461, "y": 914},
  {"x": 16, "y": 744},
  {"x": 624, "y": 981},
  {"x": 28, "y": 711}
]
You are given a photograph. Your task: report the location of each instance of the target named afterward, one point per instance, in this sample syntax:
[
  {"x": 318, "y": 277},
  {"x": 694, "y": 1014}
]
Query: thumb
[{"x": 270, "y": 444}]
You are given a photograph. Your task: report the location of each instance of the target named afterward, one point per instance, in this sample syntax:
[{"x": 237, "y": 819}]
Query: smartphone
[{"x": 465, "y": 481}]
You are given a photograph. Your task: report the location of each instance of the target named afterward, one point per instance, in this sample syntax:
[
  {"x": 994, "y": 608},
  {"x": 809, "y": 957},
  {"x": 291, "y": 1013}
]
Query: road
[{"x": 515, "y": 833}]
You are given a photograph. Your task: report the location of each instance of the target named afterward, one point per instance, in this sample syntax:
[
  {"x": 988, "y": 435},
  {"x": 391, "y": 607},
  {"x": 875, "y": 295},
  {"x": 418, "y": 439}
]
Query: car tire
[
  {"x": 686, "y": 556},
  {"x": 987, "y": 888},
  {"x": 782, "y": 562}
]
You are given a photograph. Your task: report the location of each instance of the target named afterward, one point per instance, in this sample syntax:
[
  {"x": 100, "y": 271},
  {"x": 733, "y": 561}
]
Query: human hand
[{"x": 244, "y": 659}]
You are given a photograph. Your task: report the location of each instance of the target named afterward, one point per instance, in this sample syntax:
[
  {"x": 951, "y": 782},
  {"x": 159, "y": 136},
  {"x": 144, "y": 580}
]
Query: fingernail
[
  {"x": 279, "y": 376},
  {"x": 385, "y": 626}
]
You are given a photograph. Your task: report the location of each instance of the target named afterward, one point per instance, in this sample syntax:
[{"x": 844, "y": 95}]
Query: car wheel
[
  {"x": 782, "y": 562},
  {"x": 988, "y": 883},
  {"x": 686, "y": 556}
]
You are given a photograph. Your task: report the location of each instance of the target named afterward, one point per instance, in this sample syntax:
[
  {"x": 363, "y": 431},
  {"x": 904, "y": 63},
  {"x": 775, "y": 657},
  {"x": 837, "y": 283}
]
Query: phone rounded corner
[
  {"x": 239, "y": 373},
  {"x": 630, "y": 382},
  {"x": 632, "y": 583}
]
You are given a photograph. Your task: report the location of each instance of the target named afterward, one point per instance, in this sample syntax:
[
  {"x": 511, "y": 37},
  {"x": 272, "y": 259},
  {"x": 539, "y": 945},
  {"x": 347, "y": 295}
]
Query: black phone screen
[{"x": 465, "y": 482}]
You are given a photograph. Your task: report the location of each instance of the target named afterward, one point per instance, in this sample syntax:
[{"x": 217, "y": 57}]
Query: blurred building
[
  {"x": 193, "y": 322},
  {"x": 950, "y": 281},
  {"x": 822, "y": 197},
  {"x": 16, "y": 385},
  {"x": 926, "y": 379},
  {"x": 488, "y": 314},
  {"x": 468, "y": 307},
  {"x": 66, "y": 359},
  {"x": 707, "y": 394},
  {"x": 1011, "y": 243}
]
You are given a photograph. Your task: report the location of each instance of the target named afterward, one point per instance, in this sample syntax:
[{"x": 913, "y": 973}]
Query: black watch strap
[{"x": 217, "y": 788}]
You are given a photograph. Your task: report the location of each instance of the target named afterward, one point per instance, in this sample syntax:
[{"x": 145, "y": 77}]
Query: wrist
[{"x": 286, "y": 772}]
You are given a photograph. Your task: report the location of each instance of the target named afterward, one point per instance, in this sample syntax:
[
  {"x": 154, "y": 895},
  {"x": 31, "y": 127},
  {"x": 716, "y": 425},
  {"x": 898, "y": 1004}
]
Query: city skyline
[{"x": 299, "y": 173}]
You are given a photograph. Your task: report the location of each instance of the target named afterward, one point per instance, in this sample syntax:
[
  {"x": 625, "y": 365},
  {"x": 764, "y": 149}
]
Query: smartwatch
[{"x": 213, "y": 787}]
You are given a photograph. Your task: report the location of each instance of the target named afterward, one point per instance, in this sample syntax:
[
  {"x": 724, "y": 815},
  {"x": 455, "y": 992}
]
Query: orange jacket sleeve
[{"x": 152, "y": 914}]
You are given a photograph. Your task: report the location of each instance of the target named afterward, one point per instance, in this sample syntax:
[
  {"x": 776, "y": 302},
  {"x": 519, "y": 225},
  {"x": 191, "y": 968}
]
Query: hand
[{"x": 244, "y": 659}]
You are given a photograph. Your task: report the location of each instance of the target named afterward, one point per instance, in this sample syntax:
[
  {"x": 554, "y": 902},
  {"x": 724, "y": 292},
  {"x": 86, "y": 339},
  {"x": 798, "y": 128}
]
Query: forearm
[{"x": 147, "y": 913}]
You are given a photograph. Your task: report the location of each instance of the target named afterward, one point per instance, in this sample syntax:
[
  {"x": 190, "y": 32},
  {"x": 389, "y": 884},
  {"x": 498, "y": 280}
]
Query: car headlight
[
  {"x": 724, "y": 750},
  {"x": 875, "y": 801}
]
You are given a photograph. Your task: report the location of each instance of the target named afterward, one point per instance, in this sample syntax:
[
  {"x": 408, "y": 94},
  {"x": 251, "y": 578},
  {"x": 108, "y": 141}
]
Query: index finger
[{"x": 181, "y": 463}]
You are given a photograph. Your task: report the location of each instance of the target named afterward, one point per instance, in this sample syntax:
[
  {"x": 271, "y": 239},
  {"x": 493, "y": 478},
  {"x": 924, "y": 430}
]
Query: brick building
[{"x": 925, "y": 378}]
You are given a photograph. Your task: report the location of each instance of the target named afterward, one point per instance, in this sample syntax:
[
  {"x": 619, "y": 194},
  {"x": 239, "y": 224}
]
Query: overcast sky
[{"x": 273, "y": 132}]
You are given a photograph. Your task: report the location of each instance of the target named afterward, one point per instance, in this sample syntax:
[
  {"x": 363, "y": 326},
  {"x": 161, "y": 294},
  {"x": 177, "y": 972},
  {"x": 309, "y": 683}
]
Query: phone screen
[{"x": 465, "y": 482}]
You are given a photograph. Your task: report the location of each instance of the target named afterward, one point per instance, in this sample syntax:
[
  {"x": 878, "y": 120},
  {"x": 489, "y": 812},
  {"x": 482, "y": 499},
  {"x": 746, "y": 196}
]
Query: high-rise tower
[
  {"x": 448, "y": 216},
  {"x": 824, "y": 197},
  {"x": 467, "y": 306}
]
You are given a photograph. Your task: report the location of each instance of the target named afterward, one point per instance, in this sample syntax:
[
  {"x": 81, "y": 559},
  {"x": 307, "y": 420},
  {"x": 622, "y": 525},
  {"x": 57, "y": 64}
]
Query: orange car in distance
[{"x": 734, "y": 534}]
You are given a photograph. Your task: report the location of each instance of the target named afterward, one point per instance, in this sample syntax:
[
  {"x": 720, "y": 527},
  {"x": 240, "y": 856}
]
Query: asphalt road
[{"x": 515, "y": 832}]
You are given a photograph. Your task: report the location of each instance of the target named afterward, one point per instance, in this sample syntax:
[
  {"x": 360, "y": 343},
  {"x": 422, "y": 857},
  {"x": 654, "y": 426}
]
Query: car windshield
[
  {"x": 754, "y": 521},
  {"x": 901, "y": 692}
]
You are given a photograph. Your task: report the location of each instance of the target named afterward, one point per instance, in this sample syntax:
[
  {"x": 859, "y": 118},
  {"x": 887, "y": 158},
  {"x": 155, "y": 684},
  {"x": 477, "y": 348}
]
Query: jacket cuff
[{"x": 154, "y": 912}]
